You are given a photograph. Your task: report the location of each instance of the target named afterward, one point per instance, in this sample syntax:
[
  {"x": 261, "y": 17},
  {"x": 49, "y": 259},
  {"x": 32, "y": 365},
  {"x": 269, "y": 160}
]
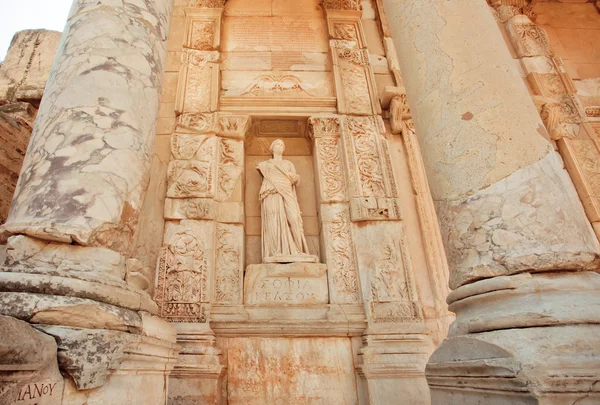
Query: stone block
[
  {"x": 28, "y": 368},
  {"x": 286, "y": 284},
  {"x": 24, "y": 72}
]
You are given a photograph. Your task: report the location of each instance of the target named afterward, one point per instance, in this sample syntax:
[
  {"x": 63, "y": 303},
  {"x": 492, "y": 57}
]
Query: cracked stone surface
[{"x": 87, "y": 167}]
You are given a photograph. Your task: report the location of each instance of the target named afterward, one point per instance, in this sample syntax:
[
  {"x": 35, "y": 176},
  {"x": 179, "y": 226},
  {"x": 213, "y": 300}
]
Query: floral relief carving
[
  {"x": 194, "y": 208},
  {"x": 182, "y": 279},
  {"x": 528, "y": 38},
  {"x": 234, "y": 125},
  {"x": 341, "y": 4},
  {"x": 343, "y": 267},
  {"x": 354, "y": 78},
  {"x": 506, "y": 9},
  {"x": 197, "y": 122},
  {"x": 370, "y": 175},
  {"x": 206, "y": 3},
  {"x": 231, "y": 154},
  {"x": 324, "y": 126},
  {"x": 563, "y": 118},
  {"x": 188, "y": 147},
  {"x": 228, "y": 265},
  {"x": 388, "y": 282},
  {"x": 280, "y": 84},
  {"x": 331, "y": 172},
  {"x": 189, "y": 178},
  {"x": 203, "y": 33},
  {"x": 347, "y": 32}
]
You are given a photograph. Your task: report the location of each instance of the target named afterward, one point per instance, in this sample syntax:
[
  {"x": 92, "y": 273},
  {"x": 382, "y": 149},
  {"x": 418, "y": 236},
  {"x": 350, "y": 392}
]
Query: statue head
[{"x": 277, "y": 147}]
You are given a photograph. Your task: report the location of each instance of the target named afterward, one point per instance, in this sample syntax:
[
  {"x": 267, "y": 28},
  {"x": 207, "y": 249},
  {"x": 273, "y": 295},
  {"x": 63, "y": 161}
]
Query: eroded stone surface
[
  {"x": 25, "y": 70},
  {"x": 286, "y": 284},
  {"x": 68, "y": 311},
  {"x": 28, "y": 368},
  {"x": 87, "y": 354},
  {"x": 87, "y": 168},
  {"x": 511, "y": 227}
]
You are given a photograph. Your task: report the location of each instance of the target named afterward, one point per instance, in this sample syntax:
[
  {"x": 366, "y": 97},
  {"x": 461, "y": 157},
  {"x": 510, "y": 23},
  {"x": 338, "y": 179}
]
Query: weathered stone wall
[
  {"x": 23, "y": 76},
  {"x": 25, "y": 70}
]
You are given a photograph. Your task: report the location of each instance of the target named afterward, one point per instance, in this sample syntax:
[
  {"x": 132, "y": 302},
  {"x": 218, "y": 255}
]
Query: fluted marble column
[
  {"x": 523, "y": 257},
  {"x": 78, "y": 200}
]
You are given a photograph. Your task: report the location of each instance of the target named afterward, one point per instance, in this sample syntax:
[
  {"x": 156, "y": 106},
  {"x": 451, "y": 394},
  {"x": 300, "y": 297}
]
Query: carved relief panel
[
  {"x": 182, "y": 289},
  {"x": 198, "y": 86},
  {"x": 354, "y": 79},
  {"x": 340, "y": 254},
  {"x": 386, "y": 272},
  {"x": 373, "y": 191},
  {"x": 326, "y": 133}
]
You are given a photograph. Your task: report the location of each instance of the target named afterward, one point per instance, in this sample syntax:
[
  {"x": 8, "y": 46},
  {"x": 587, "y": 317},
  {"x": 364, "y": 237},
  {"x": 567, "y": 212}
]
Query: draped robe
[{"x": 282, "y": 227}]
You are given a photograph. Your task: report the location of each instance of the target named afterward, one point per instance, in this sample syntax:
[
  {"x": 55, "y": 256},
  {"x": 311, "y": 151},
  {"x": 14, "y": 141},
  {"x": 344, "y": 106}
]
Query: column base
[
  {"x": 393, "y": 367},
  {"x": 540, "y": 365},
  {"x": 198, "y": 376}
]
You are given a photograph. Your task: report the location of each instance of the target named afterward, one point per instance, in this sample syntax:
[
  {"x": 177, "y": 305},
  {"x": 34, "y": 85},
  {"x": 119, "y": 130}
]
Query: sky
[{"x": 17, "y": 15}]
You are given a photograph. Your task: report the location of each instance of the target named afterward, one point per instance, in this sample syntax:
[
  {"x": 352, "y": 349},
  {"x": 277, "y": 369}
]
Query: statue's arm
[{"x": 294, "y": 177}]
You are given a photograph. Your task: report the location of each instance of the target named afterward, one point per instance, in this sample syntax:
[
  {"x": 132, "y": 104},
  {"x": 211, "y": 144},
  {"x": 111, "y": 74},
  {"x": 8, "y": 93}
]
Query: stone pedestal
[
  {"x": 286, "y": 284},
  {"x": 515, "y": 232}
]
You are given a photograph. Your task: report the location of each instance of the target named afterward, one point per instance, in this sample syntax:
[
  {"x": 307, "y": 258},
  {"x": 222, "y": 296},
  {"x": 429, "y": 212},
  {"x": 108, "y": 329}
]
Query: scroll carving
[
  {"x": 326, "y": 132},
  {"x": 197, "y": 122},
  {"x": 342, "y": 267},
  {"x": 331, "y": 172}
]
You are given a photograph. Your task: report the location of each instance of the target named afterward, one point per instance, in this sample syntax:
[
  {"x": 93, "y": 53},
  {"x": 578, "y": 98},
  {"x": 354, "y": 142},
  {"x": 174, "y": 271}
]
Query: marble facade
[{"x": 448, "y": 161}]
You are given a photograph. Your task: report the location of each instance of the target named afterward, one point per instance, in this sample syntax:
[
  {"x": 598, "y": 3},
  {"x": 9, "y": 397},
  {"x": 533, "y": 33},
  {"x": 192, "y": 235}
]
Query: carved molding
[
  {"x": 206, "y": 3},
  {"x": 527, "y": 38},
  {"x": 325, "y": 126},
  {"x": 341, "y": 5}
]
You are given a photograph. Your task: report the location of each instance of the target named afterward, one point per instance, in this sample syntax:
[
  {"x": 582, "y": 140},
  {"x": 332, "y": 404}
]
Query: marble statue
[{"x": 283, "y": 239}]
